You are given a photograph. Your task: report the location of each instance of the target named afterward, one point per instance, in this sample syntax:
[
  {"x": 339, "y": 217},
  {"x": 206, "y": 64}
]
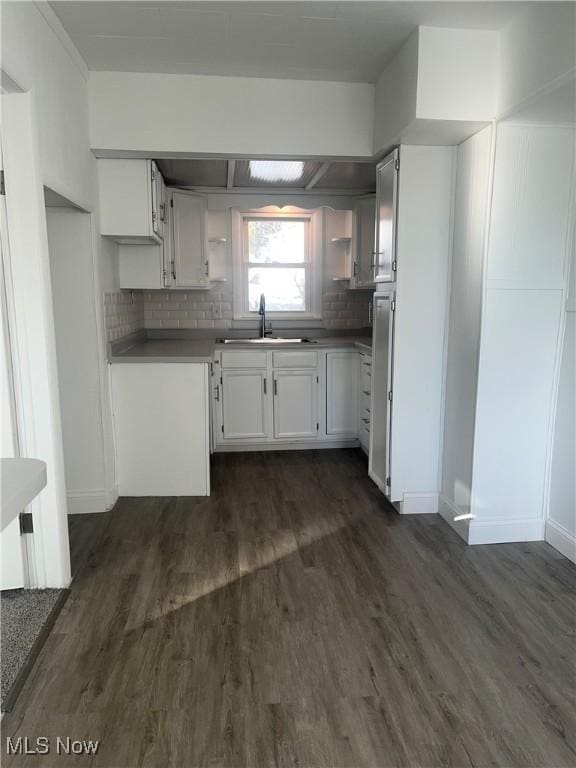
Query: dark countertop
[{"x": 143, "y": 350}]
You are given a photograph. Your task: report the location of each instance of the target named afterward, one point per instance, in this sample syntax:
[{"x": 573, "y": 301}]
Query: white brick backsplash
[
  {"x": 123, "y": 313},
  {"x": 128, "y": 311}
]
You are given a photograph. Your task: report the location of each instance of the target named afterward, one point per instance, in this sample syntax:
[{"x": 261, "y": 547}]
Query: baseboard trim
[
  {"x": 448, "y": 511},
  {"x": 561, "y": 539},
  {"x": 505, "y": 531},
  {"x": 302, "y": 445},
  {"x": 419, "y": 504},
  {"x": 112, "y": 497},
  {"x": 89, "y": 502}
]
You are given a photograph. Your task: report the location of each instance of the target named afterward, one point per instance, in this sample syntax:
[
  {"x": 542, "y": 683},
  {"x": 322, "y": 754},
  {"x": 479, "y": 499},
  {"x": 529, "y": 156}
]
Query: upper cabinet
[
  {"x": 363, "y": 244},
  {"x": 132, "y": 201},
  {"x": 189, "y": 248},
  {"x": 384, "y": 262}
]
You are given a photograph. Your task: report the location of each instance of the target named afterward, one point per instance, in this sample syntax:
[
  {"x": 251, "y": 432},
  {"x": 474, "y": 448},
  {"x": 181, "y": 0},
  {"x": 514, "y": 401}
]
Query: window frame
[{"x": 312, "y": 262}]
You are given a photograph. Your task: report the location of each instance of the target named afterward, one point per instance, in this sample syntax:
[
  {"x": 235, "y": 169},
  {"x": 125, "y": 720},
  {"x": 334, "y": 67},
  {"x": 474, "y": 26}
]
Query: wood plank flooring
[{"x": 294, "y": 619}]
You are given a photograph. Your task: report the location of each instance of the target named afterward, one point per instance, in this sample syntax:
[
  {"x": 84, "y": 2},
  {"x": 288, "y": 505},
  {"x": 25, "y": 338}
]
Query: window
[{"x": 276, "y": 257}]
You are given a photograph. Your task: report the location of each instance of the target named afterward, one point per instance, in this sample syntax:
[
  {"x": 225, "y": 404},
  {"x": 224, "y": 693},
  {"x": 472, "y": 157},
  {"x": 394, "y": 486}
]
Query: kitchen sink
[{"x": 267, "y": 340}]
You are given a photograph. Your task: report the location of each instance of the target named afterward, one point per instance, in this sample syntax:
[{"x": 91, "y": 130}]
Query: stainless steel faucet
[{"x": 264, "y": 331}]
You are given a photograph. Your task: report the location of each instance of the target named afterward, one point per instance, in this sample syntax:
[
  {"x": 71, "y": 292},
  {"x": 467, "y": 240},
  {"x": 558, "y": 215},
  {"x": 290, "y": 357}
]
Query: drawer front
[
  {"x": 247, "y": 359},
  {"x": 295, "y": 359}
]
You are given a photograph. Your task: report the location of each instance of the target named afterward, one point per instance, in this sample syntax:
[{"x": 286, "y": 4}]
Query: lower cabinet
[
  {"x": 161, "y": 428},
  {"x": 290, "y": 398},
  {"x": 295, "y": 404},
  {"x": 244, "y": 406},
  {"x": 342, "y": 393}
]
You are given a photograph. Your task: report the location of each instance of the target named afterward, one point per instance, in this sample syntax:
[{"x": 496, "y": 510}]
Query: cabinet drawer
[
  {"x": 247, "y": 359},
  {"x": 295, "y": 359}
]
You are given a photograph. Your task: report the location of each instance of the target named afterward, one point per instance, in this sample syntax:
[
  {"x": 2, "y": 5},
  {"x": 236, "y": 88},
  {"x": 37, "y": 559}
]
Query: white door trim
[{"x": 33, "y": 340}]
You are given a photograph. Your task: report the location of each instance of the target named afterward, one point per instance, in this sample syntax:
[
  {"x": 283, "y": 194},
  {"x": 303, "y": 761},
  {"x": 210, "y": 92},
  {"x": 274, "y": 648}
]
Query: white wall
[
  {"x": 159, "y": 114},
  {"x": 33, "y": 340},
  {"x": 74, "y": 301},
  {"x": 396, "y": 94},
  {"x": 457, "y": 74},
  {"x": 46, "y": 143},
  {"x": 531, "y": 220},
  {"x": 561, "y": 523},
  {"x": 536, "y": 49},
  {"x": 440, "y": 88},
  {"x": 470, "y": 211},
  {"x": 37, "y": 54}
]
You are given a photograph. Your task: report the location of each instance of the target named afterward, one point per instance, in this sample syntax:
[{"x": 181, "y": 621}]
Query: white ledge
[{"x": 21, "y": 481}]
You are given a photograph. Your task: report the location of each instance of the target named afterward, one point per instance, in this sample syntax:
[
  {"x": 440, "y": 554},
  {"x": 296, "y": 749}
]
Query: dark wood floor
[{"x": 294, "y": 619}]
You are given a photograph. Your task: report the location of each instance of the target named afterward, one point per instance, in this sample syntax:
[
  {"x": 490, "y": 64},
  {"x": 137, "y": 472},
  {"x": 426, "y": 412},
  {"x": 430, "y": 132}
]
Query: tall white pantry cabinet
[{"x": 411, "y": 263}]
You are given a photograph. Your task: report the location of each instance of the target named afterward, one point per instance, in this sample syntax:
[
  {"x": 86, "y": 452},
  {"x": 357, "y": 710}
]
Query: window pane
[
  {"x": 270, "y": 240},
  {"x": 284, "y": 288}
]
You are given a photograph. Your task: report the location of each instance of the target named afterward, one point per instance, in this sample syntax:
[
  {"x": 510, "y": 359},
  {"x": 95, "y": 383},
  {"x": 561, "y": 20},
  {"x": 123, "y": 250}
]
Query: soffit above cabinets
[
  {"x": 293, "y": 174},
  {"x": 194, "y": 173},
  {"x": 332, "y": 41}
]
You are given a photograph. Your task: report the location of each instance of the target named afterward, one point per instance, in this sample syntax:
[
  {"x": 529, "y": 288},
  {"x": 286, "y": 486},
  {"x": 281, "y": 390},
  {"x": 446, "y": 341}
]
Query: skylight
[{"x": 276, "y": 171}]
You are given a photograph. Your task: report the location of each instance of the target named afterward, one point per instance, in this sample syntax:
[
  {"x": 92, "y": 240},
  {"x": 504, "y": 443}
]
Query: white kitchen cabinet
[
  {"x": 188, "y": 240},
  {"x": 141, "y": 266},
  {"x": 244, "y": 404},
  {"x": 159, "y": 213},
  {"x": 363, "y": 225},
  {"x": 276, "y": 399},
  {"x": 365, "y": 401},
  {"x": 380, "y": 383},
  {"x": 342, "y": 393},
  {"x": 131, "y": 195},
  {"x": 295, "y": 403},
  {"x": 161, "y": 428},
  {"x": 386, "y": 218}
]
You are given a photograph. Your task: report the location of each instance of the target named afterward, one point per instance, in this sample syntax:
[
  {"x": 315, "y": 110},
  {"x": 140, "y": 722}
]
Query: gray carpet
[{"x": 23, "y": 613}]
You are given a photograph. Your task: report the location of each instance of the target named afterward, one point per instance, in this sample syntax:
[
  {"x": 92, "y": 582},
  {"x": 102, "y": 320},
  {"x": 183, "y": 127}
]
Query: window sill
[{"x": 308, "y": 321}]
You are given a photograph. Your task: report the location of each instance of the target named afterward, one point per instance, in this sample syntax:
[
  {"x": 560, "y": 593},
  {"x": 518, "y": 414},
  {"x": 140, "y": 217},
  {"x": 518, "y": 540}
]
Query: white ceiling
[{"x": 339, "y": 41}]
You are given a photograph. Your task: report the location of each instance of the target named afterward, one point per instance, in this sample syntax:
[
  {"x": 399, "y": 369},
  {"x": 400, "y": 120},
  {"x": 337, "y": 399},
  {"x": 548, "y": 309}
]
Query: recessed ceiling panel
[
  {"x": 349, "y": 176},
  {"x": 194, "y": 173},
  {"x": 274, "y": 173}
]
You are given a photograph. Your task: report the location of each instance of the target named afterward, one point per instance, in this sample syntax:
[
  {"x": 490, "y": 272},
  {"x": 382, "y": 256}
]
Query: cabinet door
[
  {"x": 295, "y": 404},
  {"x": 363, "y": 243},
  {"x": 342, "y": 393},
  {"x": 379, "y": 459},
  {"x": 385, "y": 231},
  {"x": 189, "y": 240},
  {"x": 157, "y": 189},
  {"x": 244, "y": 394}
]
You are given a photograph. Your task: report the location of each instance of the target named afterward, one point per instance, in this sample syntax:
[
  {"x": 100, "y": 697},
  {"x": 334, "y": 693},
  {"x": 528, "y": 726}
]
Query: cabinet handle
[
  {"x": 162, "y": 211},
  {"x": 275, "y": 386},
  {"x": 207, "y": 269},
  {"x": 265, "y": 386},
  {"x": 217, "y": 390}
]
